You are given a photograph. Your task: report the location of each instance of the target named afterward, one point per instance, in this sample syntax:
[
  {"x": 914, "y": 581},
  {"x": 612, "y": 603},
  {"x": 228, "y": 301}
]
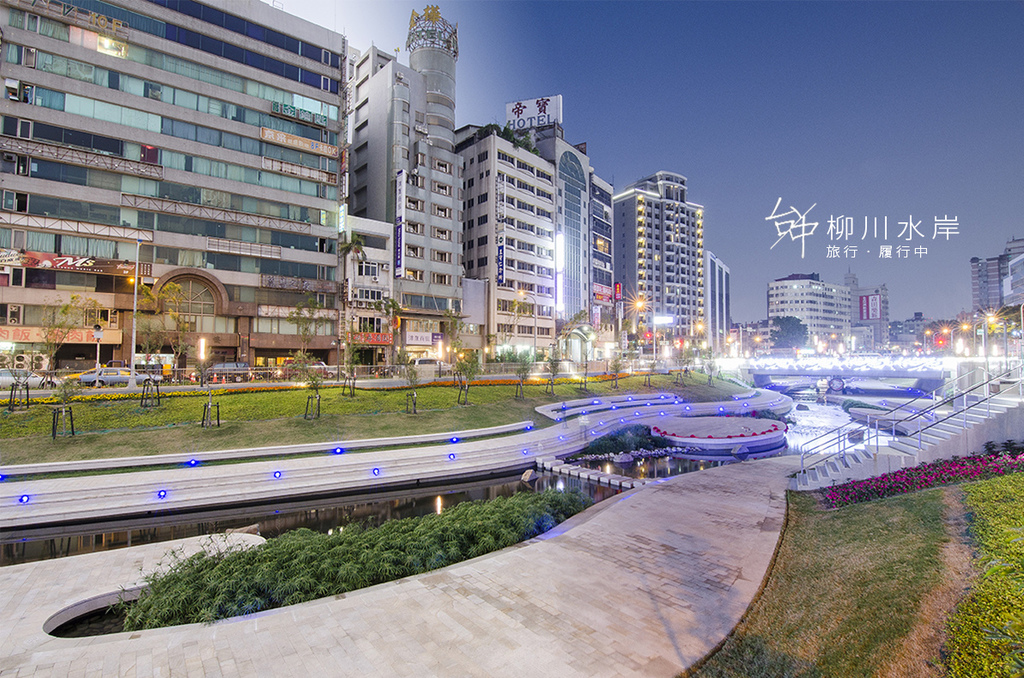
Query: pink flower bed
[{"x": 942, "y": 472}]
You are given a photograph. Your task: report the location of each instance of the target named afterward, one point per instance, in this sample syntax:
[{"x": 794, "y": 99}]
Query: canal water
[{"x": 271, "y": 520}]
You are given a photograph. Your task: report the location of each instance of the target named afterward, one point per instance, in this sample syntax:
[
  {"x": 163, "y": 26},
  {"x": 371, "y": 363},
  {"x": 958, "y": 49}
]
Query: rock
[{"x": 802, "y": 407}]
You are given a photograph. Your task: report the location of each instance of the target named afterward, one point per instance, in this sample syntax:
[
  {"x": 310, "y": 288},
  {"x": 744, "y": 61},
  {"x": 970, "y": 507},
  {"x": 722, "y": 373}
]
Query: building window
[
  {"x": 443, "y": 166},
  {"x": 414, "y": 227},
  {"x": 414, "y": 204},
  {"x": 443, "y": 212},
  {"x": 440, "y": 279},
  {"x": 442, "y": 233},
  {"x": 414, "y": 251},
  {"x": 442, "y": 189},
  {"x": 482, "y": 198},
  {"x": 413, "y": 274}
]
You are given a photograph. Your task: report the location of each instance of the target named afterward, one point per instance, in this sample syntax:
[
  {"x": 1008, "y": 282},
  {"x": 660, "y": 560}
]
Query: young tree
[
  {"x": 522, "y": 365},
  {"x": 177, "y": 323},
  {"x": 392, "y": 311},
  {"x": 468, "y": 368},
  {"x": 554, "y": 360},
  {"x": 308, "y": 318},
  {"x": 59, "y": 320},
  {"x": 615, "y": 366}
]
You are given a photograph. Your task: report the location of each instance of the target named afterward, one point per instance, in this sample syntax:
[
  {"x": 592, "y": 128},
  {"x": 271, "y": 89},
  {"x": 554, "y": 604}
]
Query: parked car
[
  {"x": 430, "y": 361},
  {"x": 290, "y": 370},
  {"x": 115, "y": 376},
  {"x": 229, "y": 372},
  {"x": 9, "y": 377}
]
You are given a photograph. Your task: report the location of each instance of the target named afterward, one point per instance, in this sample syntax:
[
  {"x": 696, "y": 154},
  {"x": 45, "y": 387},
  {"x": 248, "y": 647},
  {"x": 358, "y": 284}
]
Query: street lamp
[
  {"x": 97, "y": 333},
  {"x": 135, "y": 311}
]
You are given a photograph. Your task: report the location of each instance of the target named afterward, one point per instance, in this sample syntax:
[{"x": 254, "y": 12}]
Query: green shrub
[
  {"x": 633, "y": 437},
  {"x": 303, "y": 565}
]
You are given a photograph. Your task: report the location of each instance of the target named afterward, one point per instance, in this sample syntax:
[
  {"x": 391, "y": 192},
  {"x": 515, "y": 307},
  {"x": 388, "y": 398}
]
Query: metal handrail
[
  {"x": 811, "y": 447},
  {"x": 838, "y": 431}
]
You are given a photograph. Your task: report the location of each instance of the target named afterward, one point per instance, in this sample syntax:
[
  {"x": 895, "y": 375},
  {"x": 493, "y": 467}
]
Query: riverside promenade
[{"x": 644, "y": 584}]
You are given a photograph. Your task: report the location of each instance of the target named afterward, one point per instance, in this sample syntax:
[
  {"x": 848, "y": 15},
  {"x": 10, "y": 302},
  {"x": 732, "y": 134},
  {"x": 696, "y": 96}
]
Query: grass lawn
[
  {"x": 844, "y": 594},
  {"x": 118, "y": 428}
]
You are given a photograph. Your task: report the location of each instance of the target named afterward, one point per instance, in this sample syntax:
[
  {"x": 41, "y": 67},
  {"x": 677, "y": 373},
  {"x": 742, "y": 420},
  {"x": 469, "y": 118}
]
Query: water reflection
[
  {"x": 322, "y": 516},
  {"x": 650, "y": 468}
]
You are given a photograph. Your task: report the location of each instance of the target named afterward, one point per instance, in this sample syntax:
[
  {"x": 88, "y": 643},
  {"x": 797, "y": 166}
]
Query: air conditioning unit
[
  {"x": 375, "y": 280},
  {"x": 14, "y": 314},
  {"x": 10, "y": 157},
  {"x": 384, "y": 266}
]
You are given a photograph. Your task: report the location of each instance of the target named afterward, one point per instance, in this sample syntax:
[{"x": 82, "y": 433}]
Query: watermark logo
[{"x": 846, "y": 229}]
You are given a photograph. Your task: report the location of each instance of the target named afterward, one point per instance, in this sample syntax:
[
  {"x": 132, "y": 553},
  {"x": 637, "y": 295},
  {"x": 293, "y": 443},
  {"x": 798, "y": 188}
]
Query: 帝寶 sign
[{"x": 534, "y": 112}]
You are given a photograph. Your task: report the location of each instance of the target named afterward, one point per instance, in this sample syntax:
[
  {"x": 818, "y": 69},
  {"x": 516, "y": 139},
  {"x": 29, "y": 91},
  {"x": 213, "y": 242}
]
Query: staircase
[{"x": 946, "y": 423}]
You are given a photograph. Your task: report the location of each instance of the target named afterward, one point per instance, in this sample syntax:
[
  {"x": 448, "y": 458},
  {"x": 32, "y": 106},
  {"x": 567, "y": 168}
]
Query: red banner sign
[
  {"x": 372, "y": 338},
  {"x": 62, "y": 262}
]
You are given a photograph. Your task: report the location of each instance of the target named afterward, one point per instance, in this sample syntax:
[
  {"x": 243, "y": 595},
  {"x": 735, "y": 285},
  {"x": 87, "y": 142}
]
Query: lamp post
[
  {"x": 135, "y": 312},
  {"x": 638, "y": 305},
  {"x": 337, "y": 345},
  {"x": 97, "y": 333}
]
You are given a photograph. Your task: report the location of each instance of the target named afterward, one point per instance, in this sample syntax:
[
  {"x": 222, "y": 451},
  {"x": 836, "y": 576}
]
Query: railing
[{"x": 823, "y": 442}]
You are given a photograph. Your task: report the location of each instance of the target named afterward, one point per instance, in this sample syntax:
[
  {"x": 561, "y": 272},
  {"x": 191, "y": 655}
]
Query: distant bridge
[{"x": 928, "y": 373}]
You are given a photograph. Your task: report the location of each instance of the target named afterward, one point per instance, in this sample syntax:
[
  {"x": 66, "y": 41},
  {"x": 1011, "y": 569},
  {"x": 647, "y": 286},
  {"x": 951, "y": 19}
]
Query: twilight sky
[{"x": 900, "y": 110}]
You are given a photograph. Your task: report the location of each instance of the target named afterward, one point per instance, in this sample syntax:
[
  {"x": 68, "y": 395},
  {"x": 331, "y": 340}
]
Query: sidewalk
[{"x": 644, "y": 584}]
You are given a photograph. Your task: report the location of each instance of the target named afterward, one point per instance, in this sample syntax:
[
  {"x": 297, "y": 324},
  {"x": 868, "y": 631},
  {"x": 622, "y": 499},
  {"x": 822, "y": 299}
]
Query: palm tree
[{"x": 348, "y": 247}]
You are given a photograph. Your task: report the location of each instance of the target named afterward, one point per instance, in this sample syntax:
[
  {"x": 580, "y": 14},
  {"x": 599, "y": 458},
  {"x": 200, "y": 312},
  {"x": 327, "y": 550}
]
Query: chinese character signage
[
  {"x": 602, "y": 292},
  {"x": 870, "y": 306},
  {"x": 37, "y": 335},
  {"x": 618, "y": 291},
  {"x": 399, "y": 222},
  {"x": 287, "y": 111},
  {"x": 370, "y": 338},
  {"x": 908, "y": 234},
  {"x": 9, "y": 257},
  {"x": 301, "y": 143},
  {"x": 499, "y": 259},
  {"x": 534, "y": 112}
]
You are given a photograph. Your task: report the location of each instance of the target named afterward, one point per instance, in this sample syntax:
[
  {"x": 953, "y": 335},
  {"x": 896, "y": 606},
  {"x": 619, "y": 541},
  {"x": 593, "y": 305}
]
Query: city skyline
[{"x": 895, "y": 112}]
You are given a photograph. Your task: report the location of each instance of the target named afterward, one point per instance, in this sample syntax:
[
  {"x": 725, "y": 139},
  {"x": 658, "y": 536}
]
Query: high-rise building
[
  {"x": 824, "y": 308},
  {"x": 509, "y": 237},
  {"x": 195, "y": 142},
  {"x": 659, "y": 253},
  {"x": 869, "y": 308},
  {"x": 717, "y": 310},
  {"x": 987, "y": 276},
  {"x": 404, "y": 170}
]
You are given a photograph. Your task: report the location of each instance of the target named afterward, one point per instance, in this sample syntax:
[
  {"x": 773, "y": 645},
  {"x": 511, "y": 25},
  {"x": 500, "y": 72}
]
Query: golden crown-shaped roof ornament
[{"x": 429, "y": 29}]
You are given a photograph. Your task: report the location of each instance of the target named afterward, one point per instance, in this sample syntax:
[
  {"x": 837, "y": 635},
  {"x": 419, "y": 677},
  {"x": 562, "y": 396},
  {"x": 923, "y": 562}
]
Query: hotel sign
[
  {"x": 287, "y": 111},
  {"x": 534, "y": 112},
  {"x": 499, "y": 259},
  {"x": 301, "y": 143},
  {"x": 399, "y": 222},
  {"x": 59, "y": 262}
]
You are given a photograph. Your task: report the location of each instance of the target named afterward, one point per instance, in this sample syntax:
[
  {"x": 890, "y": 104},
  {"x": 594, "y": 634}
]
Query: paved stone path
[{"x": 644, "y": 584}]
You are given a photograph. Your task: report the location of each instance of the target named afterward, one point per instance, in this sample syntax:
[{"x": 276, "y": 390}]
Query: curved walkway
[
  {"x": 644, "y": 584},
  {"x": 50, "y": 501}
]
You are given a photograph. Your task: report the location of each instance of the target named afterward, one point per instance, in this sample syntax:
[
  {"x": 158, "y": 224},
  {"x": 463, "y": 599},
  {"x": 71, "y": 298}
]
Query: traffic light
[{"x": 648, "y": 336}]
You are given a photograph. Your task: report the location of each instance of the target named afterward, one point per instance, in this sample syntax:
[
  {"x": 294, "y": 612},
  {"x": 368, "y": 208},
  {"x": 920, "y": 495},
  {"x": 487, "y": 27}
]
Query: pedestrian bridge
[{"x": 928, "y": 373}]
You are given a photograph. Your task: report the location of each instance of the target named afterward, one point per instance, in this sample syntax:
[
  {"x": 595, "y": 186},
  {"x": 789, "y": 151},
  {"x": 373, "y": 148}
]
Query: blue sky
[{"x": 908, "y": 110}]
